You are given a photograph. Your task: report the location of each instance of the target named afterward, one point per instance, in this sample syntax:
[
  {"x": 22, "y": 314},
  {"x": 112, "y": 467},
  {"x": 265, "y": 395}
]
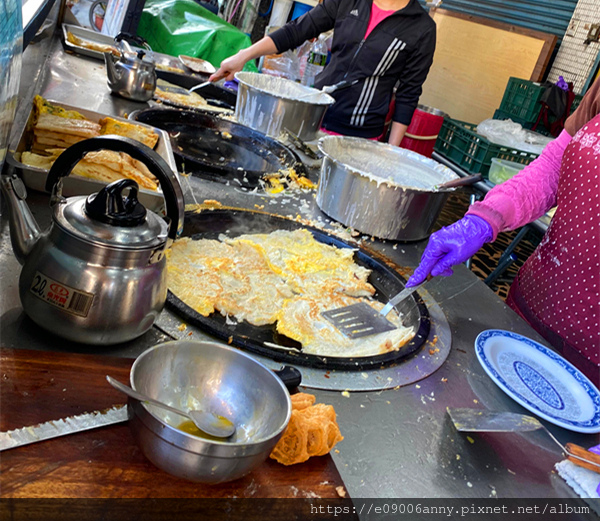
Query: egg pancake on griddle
[
  {"x": 287, "y": 277},
  {"x": 235, "y": 280},
  {"x": 310, "y": 266},
  {"x": 301, "y": 320}
]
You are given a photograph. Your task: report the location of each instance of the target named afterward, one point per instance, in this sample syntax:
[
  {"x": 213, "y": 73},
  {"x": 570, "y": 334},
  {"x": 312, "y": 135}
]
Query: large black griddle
[
  {"x": 220, "y": 150},
  {"x": 210, "y": 224}
]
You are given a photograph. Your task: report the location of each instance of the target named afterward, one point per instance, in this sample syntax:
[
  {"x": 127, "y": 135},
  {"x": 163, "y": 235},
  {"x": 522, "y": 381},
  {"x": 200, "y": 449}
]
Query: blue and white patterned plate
[{"x": 540, "y": 380}]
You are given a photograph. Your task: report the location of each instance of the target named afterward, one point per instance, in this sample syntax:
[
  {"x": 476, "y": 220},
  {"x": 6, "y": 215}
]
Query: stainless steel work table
[{"x": 398, "y": 443}]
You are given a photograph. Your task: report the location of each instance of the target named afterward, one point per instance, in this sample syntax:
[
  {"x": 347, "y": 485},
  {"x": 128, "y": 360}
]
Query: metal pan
[
  {"x": 167, "y": 67},
  {"x": 261, "y": 339},
  {"x": 35, "y": 178},
  {"x": 220, "y": 150}
]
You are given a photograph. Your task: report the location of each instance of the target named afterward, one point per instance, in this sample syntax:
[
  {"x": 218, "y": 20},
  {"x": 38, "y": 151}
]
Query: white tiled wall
[{"x": 575, "y": 59}]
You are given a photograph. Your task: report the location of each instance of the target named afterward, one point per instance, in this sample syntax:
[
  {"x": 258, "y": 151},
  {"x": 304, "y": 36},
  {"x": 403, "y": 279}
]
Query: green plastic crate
[
  {"x": 460, "y": 143},
  {"x": 522, "y": 99},
  {"x": 500, "y": 114}
]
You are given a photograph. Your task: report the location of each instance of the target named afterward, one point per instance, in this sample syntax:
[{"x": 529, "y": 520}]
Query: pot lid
[
  {"x": 146, "y": 232},
  {"x": 139, "y": 59}
]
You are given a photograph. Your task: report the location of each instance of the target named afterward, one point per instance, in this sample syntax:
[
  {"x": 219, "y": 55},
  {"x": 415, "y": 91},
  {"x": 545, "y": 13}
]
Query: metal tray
[
  {"x": 85, "y": 34},
  {"x": 35, "y": 178},
  {"x": 159, "y": 58},
  {"x": 260, "y": 339}
]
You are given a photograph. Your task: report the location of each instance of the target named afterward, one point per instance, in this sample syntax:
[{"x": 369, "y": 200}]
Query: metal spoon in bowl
[{"x": 207, "y": 422}]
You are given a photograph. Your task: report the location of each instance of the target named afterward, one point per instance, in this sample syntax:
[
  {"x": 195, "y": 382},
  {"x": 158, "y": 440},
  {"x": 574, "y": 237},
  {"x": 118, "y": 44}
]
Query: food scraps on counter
[
  {"x": 285, "y": 278},
  {"x": 312, "y": 431},
  {"x": 55, "y": 129}
]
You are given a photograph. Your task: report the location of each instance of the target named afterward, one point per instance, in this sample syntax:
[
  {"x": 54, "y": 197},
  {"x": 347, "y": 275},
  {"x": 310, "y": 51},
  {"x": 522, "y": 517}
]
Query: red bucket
[{"x": 423, "y": 130}]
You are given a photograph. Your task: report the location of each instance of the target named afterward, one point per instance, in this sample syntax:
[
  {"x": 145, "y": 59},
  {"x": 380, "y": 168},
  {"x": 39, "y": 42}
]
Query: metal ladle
[
  {"x": 199, "y": 86},
  {"x": 328, "y": 89},
  {"x": 207, "y": 422}
]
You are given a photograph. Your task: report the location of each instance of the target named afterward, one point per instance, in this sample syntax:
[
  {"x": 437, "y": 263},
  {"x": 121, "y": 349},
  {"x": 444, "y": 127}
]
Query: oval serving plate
[{"x": 540, "y": 380}]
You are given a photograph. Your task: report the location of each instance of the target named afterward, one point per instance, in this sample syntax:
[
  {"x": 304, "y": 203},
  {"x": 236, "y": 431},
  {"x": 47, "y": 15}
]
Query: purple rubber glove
[
  {"x": 596, "y": 450},
  {"x": 451, "y": 245}
]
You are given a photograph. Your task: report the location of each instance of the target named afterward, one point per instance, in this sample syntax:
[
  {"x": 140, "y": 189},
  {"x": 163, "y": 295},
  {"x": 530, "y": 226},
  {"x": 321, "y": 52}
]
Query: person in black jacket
[{"x": 376, "y": 44}]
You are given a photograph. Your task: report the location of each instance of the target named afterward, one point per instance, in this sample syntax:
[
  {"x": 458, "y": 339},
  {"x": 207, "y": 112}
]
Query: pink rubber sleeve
[{"x": 528, "y": 195}]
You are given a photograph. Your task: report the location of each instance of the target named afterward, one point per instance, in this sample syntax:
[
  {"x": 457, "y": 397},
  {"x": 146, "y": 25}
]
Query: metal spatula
[
  {"x": 360, "y": 319},
  {"x": 478, "y": 420}
]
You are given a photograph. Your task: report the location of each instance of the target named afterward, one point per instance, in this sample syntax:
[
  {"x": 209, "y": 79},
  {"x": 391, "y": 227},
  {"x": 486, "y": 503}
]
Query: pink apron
[{"x": 558, "y": 289}]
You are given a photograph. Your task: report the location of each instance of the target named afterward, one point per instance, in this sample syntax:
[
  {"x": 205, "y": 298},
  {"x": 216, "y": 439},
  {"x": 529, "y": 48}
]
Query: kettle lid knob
[{"x": 110, "y": 206}]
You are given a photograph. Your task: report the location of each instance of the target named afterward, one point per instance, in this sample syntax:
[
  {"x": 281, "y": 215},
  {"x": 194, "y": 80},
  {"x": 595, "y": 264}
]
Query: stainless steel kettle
[
  {"x": 133, "y": 74},
  {"x": 98, "y": 274}
]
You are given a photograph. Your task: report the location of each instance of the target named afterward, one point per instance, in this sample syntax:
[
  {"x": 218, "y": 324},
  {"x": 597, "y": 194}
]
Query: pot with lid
[
  {"x": 97, "y": 275},
  {"x": 381, "y": 190}
]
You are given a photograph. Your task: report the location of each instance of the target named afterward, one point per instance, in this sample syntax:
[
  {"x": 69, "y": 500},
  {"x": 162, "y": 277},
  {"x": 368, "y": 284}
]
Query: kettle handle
[
  {"x": 157, "y": 165},
  {"x": 136, "y": 40}
]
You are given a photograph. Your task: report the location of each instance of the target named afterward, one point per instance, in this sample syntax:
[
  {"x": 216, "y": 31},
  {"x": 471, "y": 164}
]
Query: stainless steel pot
[
  {"x": 379, "y": 189},
  {"x": 272, "y": 105},
  {"x": 205, "y": 375}
]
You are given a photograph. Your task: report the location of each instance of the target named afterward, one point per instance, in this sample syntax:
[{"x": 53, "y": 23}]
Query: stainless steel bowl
[
  {"x": 379, "y": 189},
  {"x": 195, "y": 375},
  {"x": 272, "y": 105}
]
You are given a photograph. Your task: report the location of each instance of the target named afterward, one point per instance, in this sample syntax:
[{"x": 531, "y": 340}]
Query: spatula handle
[
  {"x": 405, "y": 293},
  {"x": 583, "y": 458}
]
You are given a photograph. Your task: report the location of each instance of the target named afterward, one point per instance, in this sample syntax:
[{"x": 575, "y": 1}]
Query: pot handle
[
  {"x": 290, "y": 376},
  {"x": 157, "y": 165},
  {"x": 462, "y": 181}
]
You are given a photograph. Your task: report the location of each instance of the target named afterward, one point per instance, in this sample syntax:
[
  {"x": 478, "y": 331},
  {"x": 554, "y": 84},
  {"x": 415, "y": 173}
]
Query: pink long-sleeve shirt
[
  {"x": 558, "y": 288},
  {"x": 528, "y": 195}
]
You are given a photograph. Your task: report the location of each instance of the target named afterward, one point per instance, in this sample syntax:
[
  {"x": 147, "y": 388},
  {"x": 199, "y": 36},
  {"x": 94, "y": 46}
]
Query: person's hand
[
  {"x": 229, "y": 67},
  {"x": 451, "y": 245}
]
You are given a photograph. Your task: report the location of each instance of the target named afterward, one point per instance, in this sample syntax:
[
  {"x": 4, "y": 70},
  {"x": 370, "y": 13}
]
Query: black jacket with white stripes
[{"x": 399, "y": 49}]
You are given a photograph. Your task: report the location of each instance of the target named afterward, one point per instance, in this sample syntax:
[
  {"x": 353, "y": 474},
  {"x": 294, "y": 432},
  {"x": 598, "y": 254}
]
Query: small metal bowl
[{"x": 196, "y": 375}]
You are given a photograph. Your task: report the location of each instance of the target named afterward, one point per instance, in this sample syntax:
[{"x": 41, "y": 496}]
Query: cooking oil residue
[{"x": 190, "y": 427}]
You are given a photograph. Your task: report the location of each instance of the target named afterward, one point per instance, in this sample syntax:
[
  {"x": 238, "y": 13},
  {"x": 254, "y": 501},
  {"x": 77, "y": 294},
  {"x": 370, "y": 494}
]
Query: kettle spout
[
  {"x": 24, "y": 230},
  {"x": 111, "y": 71}
]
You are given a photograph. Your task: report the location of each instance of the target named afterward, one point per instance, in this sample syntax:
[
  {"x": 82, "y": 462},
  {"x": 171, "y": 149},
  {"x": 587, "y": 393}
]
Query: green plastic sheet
[{"x": 177, "y": 27}]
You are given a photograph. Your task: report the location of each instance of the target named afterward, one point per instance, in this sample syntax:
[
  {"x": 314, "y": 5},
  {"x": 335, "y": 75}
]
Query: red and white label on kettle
[{"x": 68, "y": 299}]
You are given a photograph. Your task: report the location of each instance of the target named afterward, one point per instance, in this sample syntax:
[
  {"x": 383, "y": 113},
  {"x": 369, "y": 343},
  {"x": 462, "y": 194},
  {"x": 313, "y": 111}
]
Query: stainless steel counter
[{"x": 398, "y": 443}]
